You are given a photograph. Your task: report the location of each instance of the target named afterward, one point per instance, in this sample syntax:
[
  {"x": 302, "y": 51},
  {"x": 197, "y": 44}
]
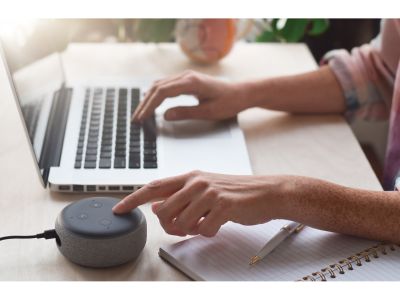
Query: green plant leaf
[
  {"x": 155, "y": 30},
  {"x": 274, "y": 25},
  {"x": 293, "y": 30},
  {"x": 318, "y": 26},
  {"x": 266, "y": 36}
]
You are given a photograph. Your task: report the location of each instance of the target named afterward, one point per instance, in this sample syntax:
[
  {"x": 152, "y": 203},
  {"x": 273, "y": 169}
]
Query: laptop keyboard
[{"x": 122, "y": 144}]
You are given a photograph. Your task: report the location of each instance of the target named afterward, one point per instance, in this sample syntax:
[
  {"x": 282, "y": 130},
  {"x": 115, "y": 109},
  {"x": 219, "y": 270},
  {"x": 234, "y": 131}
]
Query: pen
[{"x": 276, "y": 240}]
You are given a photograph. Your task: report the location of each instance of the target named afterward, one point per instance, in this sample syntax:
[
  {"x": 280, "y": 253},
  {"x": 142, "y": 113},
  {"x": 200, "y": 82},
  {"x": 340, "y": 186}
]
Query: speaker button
[
  {"x": 82, "y": 216},
  {"x": 105, "y": 222},
  {"x": 96, "y": 204}
]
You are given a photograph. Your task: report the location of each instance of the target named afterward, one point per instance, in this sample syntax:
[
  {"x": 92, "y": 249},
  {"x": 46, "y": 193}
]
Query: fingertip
[
  {"x": 156, "y": 206},
  {"x": 119, "y": 208},
  {"x": 140, "y": 117},
  {"x": 133, "y": 117},
  {"x": 177, "y": 232}
]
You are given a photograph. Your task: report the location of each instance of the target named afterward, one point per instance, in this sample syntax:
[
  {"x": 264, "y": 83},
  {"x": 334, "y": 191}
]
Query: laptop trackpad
[{"x": 190, "y": 129}]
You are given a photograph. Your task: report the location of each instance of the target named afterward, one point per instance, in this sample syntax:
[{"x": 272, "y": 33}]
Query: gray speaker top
[{"x": 93, "y": 218}]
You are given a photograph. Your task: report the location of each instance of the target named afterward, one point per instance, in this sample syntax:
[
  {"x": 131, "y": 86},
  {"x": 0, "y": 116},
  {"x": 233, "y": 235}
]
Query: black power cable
[{"x": 47, "y": 234}]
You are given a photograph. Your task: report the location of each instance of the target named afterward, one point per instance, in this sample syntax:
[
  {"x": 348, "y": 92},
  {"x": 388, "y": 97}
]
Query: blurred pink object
[{"x": 206, "y": 40}]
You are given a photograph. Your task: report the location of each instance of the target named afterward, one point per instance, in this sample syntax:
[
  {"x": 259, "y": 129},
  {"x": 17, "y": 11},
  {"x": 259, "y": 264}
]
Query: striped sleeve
[{"x": 366, "y": 80}]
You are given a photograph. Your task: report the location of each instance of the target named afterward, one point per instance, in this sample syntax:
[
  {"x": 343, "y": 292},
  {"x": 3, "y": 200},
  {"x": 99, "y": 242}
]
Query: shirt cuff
[{"x": 336, "y": 59}]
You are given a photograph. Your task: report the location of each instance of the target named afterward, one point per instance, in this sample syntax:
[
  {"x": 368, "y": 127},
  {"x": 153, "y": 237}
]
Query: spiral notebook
[{"x": 311, "y": 255}]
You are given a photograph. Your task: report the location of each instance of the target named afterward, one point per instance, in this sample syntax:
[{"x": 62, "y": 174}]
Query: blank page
[{"x": 226, "y": 256}]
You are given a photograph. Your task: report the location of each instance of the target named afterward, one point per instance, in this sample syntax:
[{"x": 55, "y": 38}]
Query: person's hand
[
  {"x": 218, "y": 100},
  {"x": 200, "y": 203}
]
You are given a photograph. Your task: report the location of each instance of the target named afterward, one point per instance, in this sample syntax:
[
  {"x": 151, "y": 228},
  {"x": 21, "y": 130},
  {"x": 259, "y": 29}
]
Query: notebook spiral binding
[{"x": 347, "y": 264}]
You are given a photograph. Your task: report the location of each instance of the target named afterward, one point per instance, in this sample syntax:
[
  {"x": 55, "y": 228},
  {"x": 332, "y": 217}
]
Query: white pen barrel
[{"x": 277, "y": 239}]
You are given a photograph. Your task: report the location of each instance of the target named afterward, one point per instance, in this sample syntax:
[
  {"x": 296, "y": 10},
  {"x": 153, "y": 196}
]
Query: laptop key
[
  {"x": 90, "y": 158},
  {"x": 107, "y": 135},
  {"x": 135, "y": 93},
  {"x": 135, "y": 132},
  {"x": 135, "y": 138},
  {"x": 150, "y": 158},
  {"x": 106, "y": 148},
  {"x": 90, "y": 165},
  {"x": 134, "y": 164},
  {"x": 94, "y": 127},
  {"x": 94, "y": 130},
  {"x": 107, "y": 138},
  {"x": 77, "y": 165},
  {"x": 150, "y": 148},
  {"x": 120, "y": 143},
  {"x": 105, "y": 155},
  {"x": 92, "y": 140},
  {"x": 149, "y": 144},
  {"x": 119, "y": 162},
  {"x": 105, "y": 163},
  {"x": 120, "y": 147},
  {"x": 120, "y": 153},
  {"x": 134, "y": 144},
  {"x": 149, "y": 165},
  {"x": 149, "y": 151},
  {"x": 134, "y": 156},
  {"x": 91, "y": 152},
  {"x": 134, "y": 149}
]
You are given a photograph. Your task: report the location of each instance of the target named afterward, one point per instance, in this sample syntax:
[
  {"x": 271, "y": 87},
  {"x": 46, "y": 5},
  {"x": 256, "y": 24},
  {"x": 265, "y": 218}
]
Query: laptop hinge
[
  {"x": 55, "y": 131},
  {"x": 45, "y": 176}
]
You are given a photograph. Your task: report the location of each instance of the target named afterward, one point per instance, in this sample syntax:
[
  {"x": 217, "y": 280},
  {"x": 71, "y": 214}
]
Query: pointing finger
[
  {"x": 154, "y": 190},
  {"x": 172, "y": 89},
  {"x": 148, "y": 95}
]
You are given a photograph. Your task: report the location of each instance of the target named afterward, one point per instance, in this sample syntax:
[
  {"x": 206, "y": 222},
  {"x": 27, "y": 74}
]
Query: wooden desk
[{"x": 319, "y": 146}]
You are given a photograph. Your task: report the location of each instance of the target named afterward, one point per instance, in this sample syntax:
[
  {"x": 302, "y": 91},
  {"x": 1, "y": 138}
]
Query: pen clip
[
  {"x": 299, "y": 228},
  {"x": 290, "y": 229}
]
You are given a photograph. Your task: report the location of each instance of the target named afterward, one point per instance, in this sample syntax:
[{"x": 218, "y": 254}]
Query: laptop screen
[{"x": 36, "y": 72}]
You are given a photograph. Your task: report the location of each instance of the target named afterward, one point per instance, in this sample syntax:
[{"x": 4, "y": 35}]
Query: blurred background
[{"x": 321, "y": 35}]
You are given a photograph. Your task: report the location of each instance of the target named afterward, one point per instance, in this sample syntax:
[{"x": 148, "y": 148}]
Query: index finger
[
  {"x": 171, "y": 89},
  {"x": 153, "y": 88},
  {"x": 160, "y": 188}
]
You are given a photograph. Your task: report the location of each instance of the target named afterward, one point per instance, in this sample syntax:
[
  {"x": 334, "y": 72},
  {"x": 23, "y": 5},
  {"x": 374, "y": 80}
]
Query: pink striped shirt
[{"x": 370, "y": 79}]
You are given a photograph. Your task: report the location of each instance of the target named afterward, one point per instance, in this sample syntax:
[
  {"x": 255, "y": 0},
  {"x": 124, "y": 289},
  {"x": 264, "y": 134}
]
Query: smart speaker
[{"x": 91, "y": 235}]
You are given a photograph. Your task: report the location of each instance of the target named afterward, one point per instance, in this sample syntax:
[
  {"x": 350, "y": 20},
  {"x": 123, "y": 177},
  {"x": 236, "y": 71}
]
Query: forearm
[
  {"x": 313, "y": 92},
  {"x": 331, "y": 207}
]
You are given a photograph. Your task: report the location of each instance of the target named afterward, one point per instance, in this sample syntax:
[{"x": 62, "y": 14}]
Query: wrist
[
  {"x": 247, "y": 93},
  {"x": 283, "y": 194}
]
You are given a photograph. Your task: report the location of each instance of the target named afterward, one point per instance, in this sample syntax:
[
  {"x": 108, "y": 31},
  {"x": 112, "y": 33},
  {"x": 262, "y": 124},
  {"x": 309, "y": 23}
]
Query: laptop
[{"x": 82, "y": 139}]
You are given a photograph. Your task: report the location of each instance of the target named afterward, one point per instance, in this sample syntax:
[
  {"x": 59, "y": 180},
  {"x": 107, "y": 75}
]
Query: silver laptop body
[{"x": 83, "y": 141}]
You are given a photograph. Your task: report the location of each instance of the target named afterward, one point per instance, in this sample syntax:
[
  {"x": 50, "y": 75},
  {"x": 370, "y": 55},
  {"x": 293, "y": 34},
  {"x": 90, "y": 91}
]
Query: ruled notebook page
[{"x": 226, "y": 256}]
